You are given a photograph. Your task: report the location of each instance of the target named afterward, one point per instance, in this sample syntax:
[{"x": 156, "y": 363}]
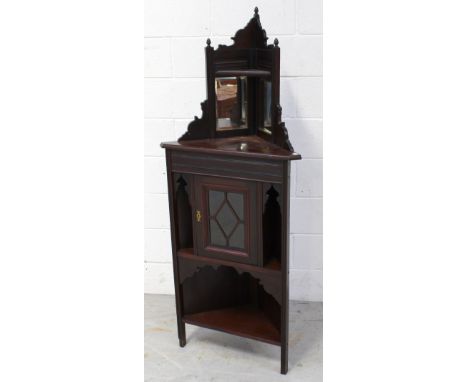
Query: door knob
[{"x": 198, "y": 216}]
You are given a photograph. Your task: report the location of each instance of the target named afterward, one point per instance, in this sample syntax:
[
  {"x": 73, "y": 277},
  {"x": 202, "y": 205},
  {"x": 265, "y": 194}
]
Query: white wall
[{"x": 175, "y": 86}]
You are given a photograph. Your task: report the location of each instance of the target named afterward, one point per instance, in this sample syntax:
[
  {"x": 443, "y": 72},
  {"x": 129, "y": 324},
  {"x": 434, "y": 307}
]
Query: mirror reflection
[
  {"x": 267, "y": 106},
  {"x": 231, "y": 103},
  {"x": 267, "y": 103}
]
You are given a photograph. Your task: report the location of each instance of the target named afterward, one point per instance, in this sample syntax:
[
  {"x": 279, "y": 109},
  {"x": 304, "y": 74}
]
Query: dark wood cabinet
[{"x": 228, "y": 180}]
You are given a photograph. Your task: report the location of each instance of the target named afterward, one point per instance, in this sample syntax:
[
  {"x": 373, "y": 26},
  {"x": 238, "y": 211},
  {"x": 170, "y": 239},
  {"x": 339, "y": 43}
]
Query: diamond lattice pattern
[{"x": 226, "y": 219}]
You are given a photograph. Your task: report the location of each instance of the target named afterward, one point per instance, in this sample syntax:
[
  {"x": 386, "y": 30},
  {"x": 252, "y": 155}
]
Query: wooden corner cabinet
[{"x": 228, "y": 185}]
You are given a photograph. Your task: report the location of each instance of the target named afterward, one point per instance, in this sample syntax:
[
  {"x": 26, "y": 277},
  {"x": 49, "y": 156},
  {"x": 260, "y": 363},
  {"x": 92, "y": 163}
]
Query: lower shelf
[{"x": 246, "y": 321}]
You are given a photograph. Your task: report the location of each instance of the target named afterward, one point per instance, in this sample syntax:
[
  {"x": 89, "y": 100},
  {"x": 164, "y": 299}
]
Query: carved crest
[{"x": 252, "y": 35}]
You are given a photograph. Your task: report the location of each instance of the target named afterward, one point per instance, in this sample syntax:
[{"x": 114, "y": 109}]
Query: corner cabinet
[{"x": 228, "y": 186}]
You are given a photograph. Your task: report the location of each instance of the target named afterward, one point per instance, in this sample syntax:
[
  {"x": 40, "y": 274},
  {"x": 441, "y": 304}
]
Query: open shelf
[
  {"x": 241, "y": 73},
  {"x": 246, "y": 321}
]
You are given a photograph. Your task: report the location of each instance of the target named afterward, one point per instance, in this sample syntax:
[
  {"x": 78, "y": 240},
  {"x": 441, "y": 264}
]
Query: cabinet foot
[{"x": 284, "y": 359}]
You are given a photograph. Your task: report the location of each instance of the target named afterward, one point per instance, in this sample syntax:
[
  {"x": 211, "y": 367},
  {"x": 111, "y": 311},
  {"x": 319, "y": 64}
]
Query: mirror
[
  {"x": 231, "y": 103},
  {"x": 267, "y": 104},
  {"x": 266, "y": 107}
]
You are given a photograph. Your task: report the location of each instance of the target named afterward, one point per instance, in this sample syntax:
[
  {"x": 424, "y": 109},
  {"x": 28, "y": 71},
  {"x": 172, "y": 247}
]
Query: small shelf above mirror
[{"x": 243, "y": 73}]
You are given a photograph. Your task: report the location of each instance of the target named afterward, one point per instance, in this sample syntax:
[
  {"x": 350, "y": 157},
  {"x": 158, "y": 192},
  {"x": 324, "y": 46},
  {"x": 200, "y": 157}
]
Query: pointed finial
[
  {"x": 256, "y": 12},
  {"x": 276, "y": 42},
  {"x": 208, "y": 42}
]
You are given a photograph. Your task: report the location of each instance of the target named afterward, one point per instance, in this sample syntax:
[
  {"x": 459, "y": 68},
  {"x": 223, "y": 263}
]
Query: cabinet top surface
[{"x": 247, "y": 146}]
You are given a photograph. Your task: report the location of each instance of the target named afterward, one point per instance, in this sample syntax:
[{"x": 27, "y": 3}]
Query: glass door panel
[
  {"x": 226, "y": 210},
  {"x": 227, "y": 231}
]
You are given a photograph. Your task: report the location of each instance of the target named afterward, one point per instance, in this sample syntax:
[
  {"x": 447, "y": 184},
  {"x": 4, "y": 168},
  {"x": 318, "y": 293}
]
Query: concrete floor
[{"x": 215, "y": 356}]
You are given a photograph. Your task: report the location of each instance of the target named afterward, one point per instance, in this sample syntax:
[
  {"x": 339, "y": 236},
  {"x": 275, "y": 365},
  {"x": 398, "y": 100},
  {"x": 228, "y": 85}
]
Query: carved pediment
[{"x": 251, "y": 36}]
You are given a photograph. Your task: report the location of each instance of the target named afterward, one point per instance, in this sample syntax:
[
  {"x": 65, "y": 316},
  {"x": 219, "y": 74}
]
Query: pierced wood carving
[
  {"x": 269, "y": 282},
  {"x": 184, "y": 212}
]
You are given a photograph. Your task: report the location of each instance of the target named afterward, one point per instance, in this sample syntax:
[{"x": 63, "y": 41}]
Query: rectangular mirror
[
  {"x": 231, "y": 103},
  {"x": 266, "y": 128},
  {"x": 267, "y": 104}
]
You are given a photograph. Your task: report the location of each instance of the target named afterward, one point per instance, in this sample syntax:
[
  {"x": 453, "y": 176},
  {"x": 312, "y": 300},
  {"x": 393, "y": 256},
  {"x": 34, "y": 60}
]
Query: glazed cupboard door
[{"x": 225, "y": 219}]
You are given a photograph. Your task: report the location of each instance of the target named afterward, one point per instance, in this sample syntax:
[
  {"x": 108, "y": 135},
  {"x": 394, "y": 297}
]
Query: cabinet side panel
[
  {"x": 285, "y": 270},
  {"x": 175, "y": 265}
]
